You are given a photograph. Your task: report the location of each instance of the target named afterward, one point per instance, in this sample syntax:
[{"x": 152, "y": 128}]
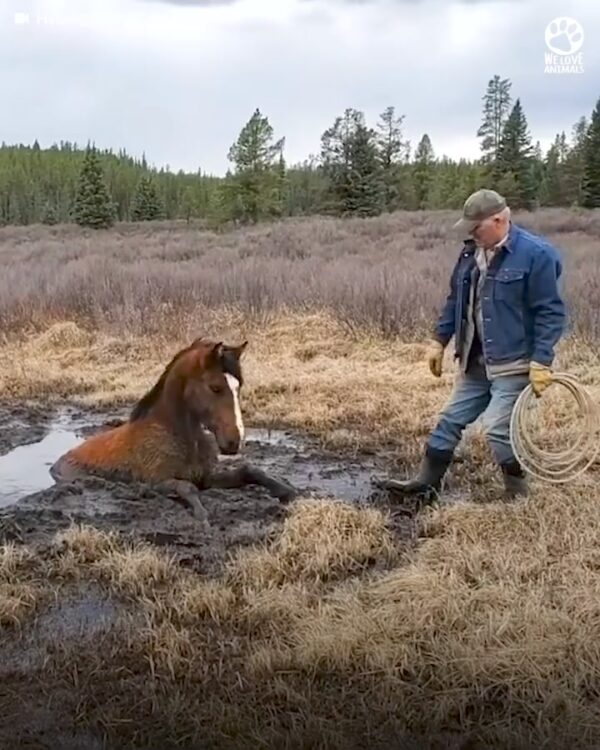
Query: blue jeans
[{"x": 473, "y": 395}]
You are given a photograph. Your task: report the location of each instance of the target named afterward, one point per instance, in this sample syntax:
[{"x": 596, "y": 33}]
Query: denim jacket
[{"x": 523, "y": 312}]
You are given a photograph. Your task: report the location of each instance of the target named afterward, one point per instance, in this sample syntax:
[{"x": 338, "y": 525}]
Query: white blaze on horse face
[{"x": 234, "y": 385}]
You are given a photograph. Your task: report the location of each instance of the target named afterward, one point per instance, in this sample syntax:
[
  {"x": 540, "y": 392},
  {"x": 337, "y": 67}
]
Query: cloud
[
  {"x": 194, "y": 3},
  {"x": 410, "y": 2},
  {"x": 89, "y": 75}
]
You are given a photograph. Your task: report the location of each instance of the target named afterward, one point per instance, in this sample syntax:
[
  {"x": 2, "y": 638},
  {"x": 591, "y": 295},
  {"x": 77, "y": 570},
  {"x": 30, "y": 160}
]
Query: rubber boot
[
  {"x": 515, "y": 480},
  {"x": 426, "y": 485}
]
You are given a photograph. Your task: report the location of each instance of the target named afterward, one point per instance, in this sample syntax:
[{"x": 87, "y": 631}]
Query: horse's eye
[{"x": 216, "y": 388}]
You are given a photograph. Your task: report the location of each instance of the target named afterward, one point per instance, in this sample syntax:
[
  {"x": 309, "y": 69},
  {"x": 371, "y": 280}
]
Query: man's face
[{"x": 489, "y": 231}]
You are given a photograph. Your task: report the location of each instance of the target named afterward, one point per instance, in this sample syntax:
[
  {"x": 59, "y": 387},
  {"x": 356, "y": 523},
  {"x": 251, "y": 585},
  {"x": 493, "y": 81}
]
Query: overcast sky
[{"x": 177, "y": 79}]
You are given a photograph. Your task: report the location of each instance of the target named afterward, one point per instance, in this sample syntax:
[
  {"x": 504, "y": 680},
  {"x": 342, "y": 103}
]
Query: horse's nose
[{"x": 231, "y": 447}]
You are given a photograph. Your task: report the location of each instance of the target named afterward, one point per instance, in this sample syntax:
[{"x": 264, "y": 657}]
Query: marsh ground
[{"x": 340, "y": 620}]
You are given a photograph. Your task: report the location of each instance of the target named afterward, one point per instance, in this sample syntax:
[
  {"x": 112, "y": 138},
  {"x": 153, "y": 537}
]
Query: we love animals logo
[{"x": 564, "y": 38}]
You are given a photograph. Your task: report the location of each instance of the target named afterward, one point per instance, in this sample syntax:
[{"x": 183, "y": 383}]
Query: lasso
[{"x": 564, "y": 465}]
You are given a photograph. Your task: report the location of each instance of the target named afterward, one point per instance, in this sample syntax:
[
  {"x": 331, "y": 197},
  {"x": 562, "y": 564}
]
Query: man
[{"x": 506, "y": 313}]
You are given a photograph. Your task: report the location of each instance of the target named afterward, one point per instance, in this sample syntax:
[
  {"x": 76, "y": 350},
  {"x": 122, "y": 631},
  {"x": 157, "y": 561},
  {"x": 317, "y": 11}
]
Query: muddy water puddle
[
  {"x": 81, "y": 620},
  {"x": 83, "y": 613},
  {"x": 25, "y": 469},
  {"x": 306, "y": 466}
]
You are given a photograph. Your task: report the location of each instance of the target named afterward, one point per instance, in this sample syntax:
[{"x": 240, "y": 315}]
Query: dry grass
[
  {"x": 14, "y": 561},
  {"x": 486, "y": 631},
  {"x": 16, "y": 602},
  {"x": 19, "y": 594},
  {"x": 329, "y": 635},
  {"x": 318, "y": 543},
  {"x": 281, "y": 387},
  {"x": 353, "y": 394}
]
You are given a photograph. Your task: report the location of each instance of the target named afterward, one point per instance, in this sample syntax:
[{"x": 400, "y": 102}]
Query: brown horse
[{"x": 169, "y": 438}]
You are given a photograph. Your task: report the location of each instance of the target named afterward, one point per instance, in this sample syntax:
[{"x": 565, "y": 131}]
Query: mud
[
  {"x": 37, "y": 715},
  {"x": 78, "y": 618},
  {"x": 33, "y": 508},
  {"x": 20, "y": 425}
]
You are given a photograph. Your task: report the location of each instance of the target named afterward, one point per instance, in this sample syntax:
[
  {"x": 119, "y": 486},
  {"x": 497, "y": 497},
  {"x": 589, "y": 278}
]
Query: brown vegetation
[
  {"x": 331, "y": 634},
  {"x": 387, "y": 274},
  {"x": 486, "y": 633}
]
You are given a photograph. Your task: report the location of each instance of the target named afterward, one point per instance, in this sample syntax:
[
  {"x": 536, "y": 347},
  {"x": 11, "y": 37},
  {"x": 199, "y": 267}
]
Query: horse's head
[{"x": 211, "y": 376}]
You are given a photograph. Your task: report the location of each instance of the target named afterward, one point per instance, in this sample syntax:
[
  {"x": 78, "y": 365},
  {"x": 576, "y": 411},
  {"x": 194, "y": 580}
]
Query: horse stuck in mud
[{"x": 169, "y": 438}]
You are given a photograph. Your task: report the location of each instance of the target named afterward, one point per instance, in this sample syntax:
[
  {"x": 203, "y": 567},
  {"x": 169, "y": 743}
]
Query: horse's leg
[
  {"x": 189, "y": 494},
  {"x": 248, "y": 474}
]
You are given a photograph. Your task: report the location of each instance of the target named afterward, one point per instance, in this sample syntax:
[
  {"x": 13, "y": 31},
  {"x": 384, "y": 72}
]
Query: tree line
[{"x": 360, "y": 171}]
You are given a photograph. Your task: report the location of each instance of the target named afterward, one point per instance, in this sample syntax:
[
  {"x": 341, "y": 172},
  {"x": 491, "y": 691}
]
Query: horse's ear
[
  {"x": 239, "y": 350},
  {"x": 215, "y": 353}
]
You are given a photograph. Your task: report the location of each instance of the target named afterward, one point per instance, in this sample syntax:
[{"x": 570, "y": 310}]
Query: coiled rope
[{"x": 563, "y": 465}]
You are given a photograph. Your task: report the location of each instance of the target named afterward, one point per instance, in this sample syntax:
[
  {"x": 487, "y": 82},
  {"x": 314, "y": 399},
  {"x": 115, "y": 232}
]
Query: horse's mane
[{"x": 149, "y": 399}]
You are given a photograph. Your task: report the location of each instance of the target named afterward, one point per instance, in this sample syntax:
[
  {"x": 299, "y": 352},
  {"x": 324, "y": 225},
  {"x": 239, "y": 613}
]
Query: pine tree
[
  {"x": 256, "y": 177},
  {"x": 50, "y": 216},
  {"x": 423, "y": 173},
  {"x": 393, "y": 152},
  {"x": 44, "y": 184},
  {"x": 591, "y": 171},
  {"x": 226, "y": 204},
  {"x": 352, "y": 167},
  {"x": 562, "y": 147},
  {"x": 553, "y": 188},
  {"x": 508, "y": 186},
  {"x": 147, "y": 205},
  {"x": 537, "y": 172},
  {"x": 575, "y": 162},
  {"x": 306, "y": 188},
  {"x": 516, "y": 158},
  {"x": 407, "y": 194},
  {"x": 336, "y": 160},
  {"x": 496, "y": 106},
  {"x": 188, "y": 205},
  {"x": 451, "y": 182},
  {"x": 93, "y": 205},
  {"x": 366, "y": 195},
  {"x": 444, "y": 184},
  {"x": 281, "y": 187}
]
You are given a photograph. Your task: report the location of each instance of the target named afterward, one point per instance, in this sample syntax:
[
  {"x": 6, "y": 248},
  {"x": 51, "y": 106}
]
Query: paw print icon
[{"x": 564, "y": 36}]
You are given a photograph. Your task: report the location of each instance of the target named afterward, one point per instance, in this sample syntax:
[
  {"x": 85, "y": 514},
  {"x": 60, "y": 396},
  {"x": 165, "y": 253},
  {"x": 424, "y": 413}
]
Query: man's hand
[
  {"x": 540, "y": 377},
  {"x": 435, "y": 355}
]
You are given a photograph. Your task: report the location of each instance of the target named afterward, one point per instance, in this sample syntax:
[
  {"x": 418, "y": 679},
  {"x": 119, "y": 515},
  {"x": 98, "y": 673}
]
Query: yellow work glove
[
  {"x": 540, "y": 377},
  {"x": 435, "y": 355}
]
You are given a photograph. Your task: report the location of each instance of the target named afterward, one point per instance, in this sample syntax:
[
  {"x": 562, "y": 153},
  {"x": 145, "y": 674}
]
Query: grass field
[{"x": 482, "y": 634}]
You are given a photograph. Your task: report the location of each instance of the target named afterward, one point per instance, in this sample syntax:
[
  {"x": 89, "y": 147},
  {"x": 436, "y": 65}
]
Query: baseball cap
[{"x": 480, "y": 205}]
